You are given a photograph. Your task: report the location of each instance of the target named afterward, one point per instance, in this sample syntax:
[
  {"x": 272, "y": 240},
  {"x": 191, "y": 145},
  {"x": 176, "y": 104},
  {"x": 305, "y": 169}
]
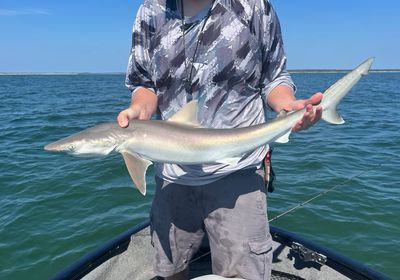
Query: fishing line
[
  {"x": 199, "y": 257},
  {"x": 301, "y": 204},
  {"x": 305, "y": 202},
  {"x": 328, "y": 190},
  {"x": 320, "y": 194}
]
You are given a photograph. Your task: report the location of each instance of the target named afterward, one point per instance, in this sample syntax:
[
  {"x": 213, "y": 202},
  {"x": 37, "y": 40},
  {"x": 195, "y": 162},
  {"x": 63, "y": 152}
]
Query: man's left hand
[{"x": 310, "y": 116}]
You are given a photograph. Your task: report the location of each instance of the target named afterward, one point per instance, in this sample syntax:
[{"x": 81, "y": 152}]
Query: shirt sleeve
[
  {"x": 273, "y": 55},
  {"x": 139, "y": 64}
]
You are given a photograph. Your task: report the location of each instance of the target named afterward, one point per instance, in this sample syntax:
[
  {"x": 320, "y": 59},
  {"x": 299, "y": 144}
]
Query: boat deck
[{"x": 136, "y": 263}]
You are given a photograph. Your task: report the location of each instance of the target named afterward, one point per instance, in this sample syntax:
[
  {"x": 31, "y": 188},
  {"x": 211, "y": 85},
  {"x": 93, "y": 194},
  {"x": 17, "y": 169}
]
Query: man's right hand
[{"x": 143, "y": 106}]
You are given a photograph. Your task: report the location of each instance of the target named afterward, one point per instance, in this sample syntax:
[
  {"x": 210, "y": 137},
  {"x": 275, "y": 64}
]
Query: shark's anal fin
[
  {"x": 284, "y": 138},
  {"x": 332, "y": 116},
  {"x": 187, "y": 114},
  {"x": 137, "y": 168}
]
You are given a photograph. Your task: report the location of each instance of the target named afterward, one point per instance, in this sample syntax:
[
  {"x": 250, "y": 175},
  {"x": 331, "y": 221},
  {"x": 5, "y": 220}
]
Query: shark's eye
[{"x": 71, "y": 148}]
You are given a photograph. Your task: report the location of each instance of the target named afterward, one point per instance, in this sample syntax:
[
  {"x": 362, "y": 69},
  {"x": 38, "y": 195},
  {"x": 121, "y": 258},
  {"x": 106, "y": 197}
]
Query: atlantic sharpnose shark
[{"x": 182, "y": 140}]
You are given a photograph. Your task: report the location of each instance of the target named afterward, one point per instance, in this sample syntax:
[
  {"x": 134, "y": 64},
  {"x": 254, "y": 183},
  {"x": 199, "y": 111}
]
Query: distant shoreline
[
  {"x": 341, "y": 70},
  {"x": 295, "y": 71},
  {"x": 58, "y": 73}
]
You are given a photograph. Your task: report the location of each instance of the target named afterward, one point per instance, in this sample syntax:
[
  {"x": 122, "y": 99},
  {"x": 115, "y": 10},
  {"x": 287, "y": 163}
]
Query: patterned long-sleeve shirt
[{"x": 233, "y": 57}]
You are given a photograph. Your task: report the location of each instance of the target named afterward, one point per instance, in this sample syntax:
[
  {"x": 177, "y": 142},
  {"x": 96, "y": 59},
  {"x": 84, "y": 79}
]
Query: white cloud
[{"x": 24, "y": 12}]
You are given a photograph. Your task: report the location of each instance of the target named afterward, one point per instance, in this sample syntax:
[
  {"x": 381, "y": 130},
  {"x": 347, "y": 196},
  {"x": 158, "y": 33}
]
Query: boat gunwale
[
  {"x": 101, "y": 254},
  {"x": 350, "y": 268},
  {"x": 345, "y": 265}
]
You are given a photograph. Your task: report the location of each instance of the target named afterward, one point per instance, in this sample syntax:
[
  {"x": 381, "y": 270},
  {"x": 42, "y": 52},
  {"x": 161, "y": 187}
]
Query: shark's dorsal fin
[
  {"x": 137, "y": 168},
  {"x": 187, "y": 114}
]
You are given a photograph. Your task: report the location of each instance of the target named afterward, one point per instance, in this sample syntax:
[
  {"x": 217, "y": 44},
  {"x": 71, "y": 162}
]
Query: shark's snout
[
  {"x": 51, "y": 147},
  {"x": 59, "y": 146}
]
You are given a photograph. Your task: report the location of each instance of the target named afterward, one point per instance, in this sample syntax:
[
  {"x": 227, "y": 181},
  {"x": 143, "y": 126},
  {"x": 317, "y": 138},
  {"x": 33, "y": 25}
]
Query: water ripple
[{"x": 55, "y": 207}]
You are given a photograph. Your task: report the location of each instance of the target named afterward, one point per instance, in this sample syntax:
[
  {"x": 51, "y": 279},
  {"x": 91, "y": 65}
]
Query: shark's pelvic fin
[
  {"x": 137, "y": 168},
  {"x": 187, "y": 114}
]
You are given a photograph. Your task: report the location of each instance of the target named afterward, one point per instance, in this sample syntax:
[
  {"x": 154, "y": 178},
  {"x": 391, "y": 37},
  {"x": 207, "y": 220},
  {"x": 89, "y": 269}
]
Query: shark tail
[{"x": 330, "y": 113}]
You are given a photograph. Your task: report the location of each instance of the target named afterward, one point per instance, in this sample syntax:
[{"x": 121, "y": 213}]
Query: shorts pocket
[
  {"x": 260, "y": 246},
  {"x": 260, "y": 259}
]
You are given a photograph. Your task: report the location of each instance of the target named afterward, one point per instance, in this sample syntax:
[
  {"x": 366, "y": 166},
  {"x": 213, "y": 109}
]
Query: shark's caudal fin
[
  {"x": 334, "y": 94},
  {"x": 137, "y": 168}
]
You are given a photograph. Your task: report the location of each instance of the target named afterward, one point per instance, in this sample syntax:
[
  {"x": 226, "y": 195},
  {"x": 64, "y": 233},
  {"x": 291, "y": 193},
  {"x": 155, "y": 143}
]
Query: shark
[{"x": 182, "y": 140}]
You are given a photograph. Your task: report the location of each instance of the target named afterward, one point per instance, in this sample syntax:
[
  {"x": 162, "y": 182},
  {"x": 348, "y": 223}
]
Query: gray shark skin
[{"x": 181, "y": 140}]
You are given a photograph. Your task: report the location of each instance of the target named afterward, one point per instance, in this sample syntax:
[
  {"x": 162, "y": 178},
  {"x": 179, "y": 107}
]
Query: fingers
[
  {"x": 314, "y": 99},
  {"x": 310, "y": 118},
  {"x": 318, "y": 114},
  {"x": 299, "y": 104},
  {"x": 298, "y": 126},
  {"x": 126, "y": 115},
  {"x": 123, "y": 119}
]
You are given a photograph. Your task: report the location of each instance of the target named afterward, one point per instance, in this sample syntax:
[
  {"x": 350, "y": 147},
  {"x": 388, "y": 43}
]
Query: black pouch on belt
[{"x": 269, "y": 174}]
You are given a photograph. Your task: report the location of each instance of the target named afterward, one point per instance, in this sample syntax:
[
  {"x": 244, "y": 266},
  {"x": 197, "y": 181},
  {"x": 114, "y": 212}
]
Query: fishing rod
[
  {"x": 317, "y": 195},
  {"x": 303, "y": 203}
]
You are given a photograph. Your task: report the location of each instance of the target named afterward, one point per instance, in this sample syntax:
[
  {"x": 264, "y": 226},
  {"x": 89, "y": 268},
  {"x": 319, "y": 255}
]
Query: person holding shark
[{"x": 229, "y": 56}]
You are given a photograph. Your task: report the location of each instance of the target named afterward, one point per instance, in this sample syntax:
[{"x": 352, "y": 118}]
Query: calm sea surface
[{"x": 55, "y": 208}]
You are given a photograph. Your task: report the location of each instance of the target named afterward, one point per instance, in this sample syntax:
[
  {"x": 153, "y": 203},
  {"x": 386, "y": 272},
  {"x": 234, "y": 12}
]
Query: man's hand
[
  {"x": 310, "y": 116},
  {"x": 133, "y": 112},
  {"x": 282, "y": 98},
  {"x": 143, "y": 106}
]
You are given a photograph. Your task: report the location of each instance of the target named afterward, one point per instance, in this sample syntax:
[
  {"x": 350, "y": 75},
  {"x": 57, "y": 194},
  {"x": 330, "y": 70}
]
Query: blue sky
[{"x": 94, "y": 36}]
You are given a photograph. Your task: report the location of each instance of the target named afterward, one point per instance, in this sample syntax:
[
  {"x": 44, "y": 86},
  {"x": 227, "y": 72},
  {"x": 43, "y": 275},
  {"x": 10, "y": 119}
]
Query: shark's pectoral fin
[
  {"x": 187, "y": 115},
  {"x": 332, "y": 116},
  {"x": 284, "y": 138},
  {"x": 230, "y": 161},
  {"x": 137, "y": 168}
]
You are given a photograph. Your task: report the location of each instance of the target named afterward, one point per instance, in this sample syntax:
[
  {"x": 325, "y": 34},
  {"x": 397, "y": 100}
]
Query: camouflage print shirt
[{"x": 234, "y": 52}]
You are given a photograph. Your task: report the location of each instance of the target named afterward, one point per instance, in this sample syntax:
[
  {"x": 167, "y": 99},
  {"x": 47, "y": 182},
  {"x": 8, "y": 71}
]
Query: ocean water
[{"x": 55, "y": 208}]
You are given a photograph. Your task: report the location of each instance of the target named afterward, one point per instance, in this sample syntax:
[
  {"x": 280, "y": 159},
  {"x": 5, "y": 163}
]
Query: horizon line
[{"x": 311, "y": 70}]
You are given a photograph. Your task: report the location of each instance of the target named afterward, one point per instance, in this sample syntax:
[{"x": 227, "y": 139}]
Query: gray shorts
[{"x": 232, "y": 211}]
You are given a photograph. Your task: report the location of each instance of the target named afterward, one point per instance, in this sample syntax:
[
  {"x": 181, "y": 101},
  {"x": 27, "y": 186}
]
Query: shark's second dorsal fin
[
  {"x": 187, "y": 114},
  {"x": 137, "y": 168}
]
